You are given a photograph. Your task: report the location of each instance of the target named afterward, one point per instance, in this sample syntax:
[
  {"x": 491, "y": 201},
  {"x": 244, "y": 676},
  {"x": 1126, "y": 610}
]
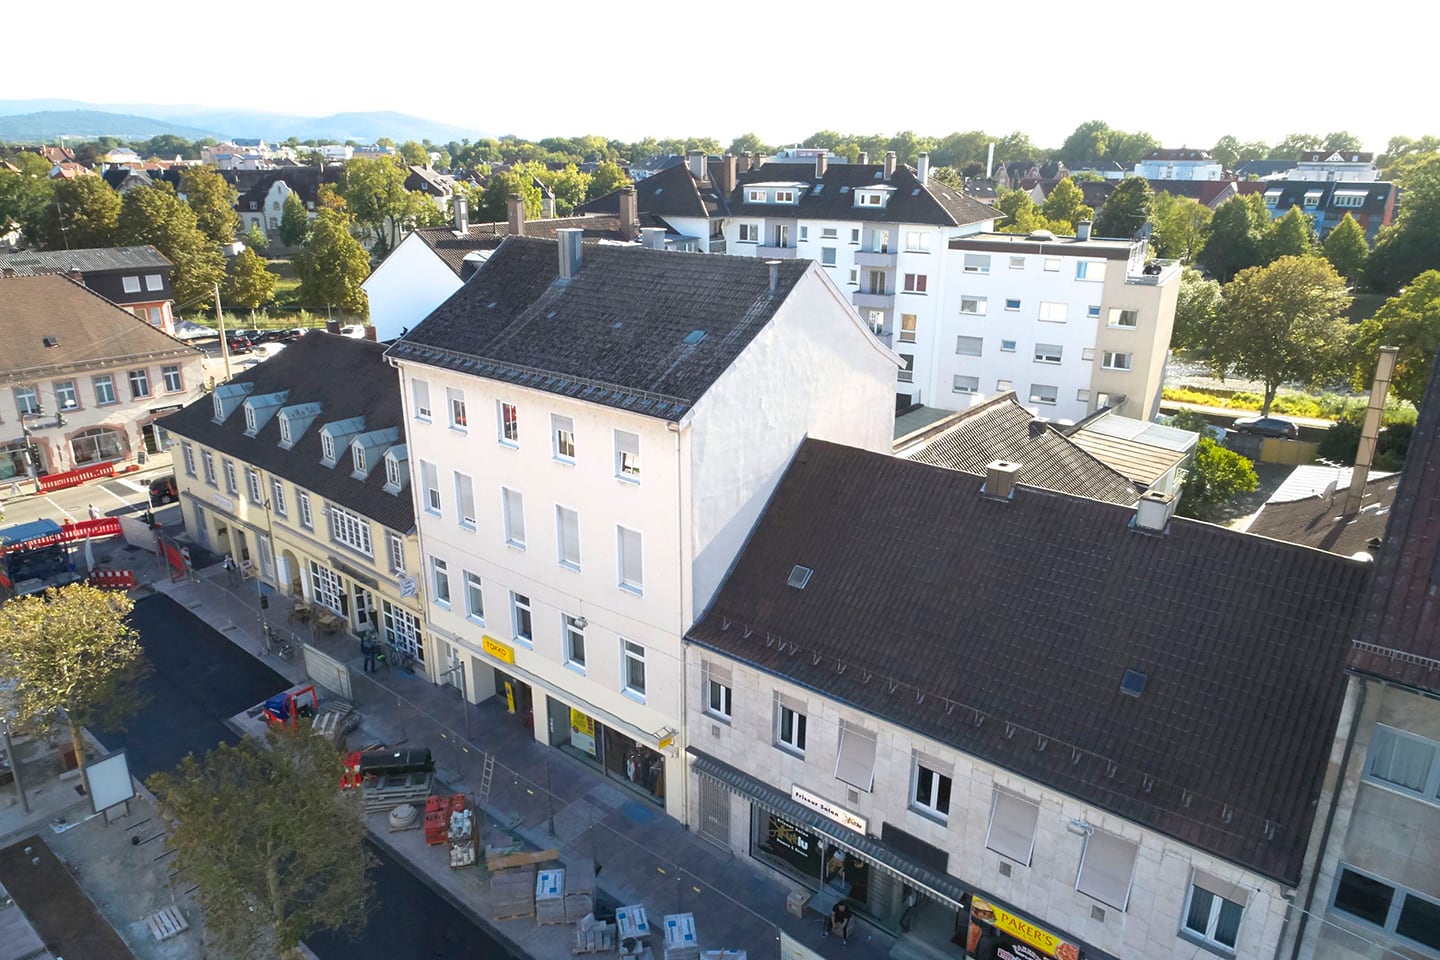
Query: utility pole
[
  {"x": 14, "y": 764},
  {"x": 220, "y": 323}
]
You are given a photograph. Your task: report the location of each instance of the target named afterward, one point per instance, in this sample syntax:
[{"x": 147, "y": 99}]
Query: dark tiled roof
[
  {"x": 615, "y": 334},
  {"x": 935, "y": 202},
  {"x": 348, "y": 378},
  {"x": 1378, "y": 194},
  {"x": 89, "y": 330},
  {"x": 673, "y": 192},
  {"x": 1178, "y": 153},
  {"x": 1316, "y": 522},
  {"x": 487, "y": 236},
  {"x": 1400, "y": 635},
  {"x": 933, "y": 607},
  {"x": 1001, "y": 429},
  {"x": 93, "y": 260},
  {"x": 253, "y": 185},
  {"x": 1264, "y": 168}
]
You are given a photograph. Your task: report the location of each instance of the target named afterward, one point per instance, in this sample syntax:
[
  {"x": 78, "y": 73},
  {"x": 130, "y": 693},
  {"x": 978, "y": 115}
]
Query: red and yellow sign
[
  {"x": 496, "y": 649},
  {"x": 1023, "y": 930}
]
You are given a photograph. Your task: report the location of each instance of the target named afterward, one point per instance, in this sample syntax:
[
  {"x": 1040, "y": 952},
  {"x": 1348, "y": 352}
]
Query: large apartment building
[{"x": 593, "y": 430}]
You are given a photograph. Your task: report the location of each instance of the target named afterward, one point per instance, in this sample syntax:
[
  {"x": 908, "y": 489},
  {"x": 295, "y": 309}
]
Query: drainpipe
[{"x": 682, "y": 733}]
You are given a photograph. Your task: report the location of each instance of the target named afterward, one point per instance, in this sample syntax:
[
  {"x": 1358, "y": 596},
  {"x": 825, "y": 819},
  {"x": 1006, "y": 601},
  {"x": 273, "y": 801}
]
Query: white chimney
[
  {"x": 652, "y": 238},
  {"x": 695, "y": 159},
  {"x": 863, "y": 157},
  {"x": 1153, "y": 512},
  {"x": 892, "y": 159},
  {"x": 1370, "y": 430},
  {"x": 989, "y": 160},
  {"x": 462, "y": 216},
  {"x": 1000, "y": 480},
  {"x": 922, "y": 169},
  {"x": 1082, "y": 230},
  {"x": 774, "y": 266},
  {"x": 822, "y": 162},
  {"x": 570, "y": 251}
]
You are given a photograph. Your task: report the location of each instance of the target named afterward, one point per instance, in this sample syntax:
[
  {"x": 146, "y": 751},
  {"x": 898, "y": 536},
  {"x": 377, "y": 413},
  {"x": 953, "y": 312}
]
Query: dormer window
[
  {"x": 294, "y": 421},
  {"x": 249, "y": 420},
  {"x": 392, "y": 472},
  {"x": 227, "y": 397},
  {"x": 285, "y": 440},
  {"x": 872, "y": 197},
  {"x": 755, "y": 196},
  {"x": 357, "y": 452},
  {"x": 396, "y": 474},
  {"x": 366, "y": 450},
  {"x": 336, "y": 436},
  {"x": 784, "y": 196},
  {"x": 327, "y": 448}
]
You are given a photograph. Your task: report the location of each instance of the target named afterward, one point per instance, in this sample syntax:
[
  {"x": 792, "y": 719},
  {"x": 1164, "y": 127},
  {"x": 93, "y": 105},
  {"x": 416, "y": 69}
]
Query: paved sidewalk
[{"x": 546, "y": 799}]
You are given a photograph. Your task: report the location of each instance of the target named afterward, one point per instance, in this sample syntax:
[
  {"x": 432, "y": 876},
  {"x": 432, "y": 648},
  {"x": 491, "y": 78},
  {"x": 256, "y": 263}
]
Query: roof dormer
[
  {"x": 229, "y": 396},
  {"x": 876, "y": 196},
  {"x": 780, "y": 192},
  {"x": 369, "y": 447},
  {"x": 397, "y": 469},
  {"x": 335, "y": 437},
  {"x": 259, "y": 409},
  {"x": 294, "y": 420}
]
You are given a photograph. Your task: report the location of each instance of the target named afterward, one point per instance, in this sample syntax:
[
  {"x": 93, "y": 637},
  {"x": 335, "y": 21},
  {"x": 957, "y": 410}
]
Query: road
[{"x": 198, "y": 679}]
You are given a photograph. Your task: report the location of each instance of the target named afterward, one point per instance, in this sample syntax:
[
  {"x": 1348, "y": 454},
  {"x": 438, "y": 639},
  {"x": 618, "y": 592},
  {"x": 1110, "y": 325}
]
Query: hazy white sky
[{"x": 783, "y": 69}]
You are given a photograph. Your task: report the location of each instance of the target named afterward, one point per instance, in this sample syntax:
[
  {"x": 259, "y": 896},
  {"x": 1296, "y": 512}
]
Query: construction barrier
[
  {"x": 73, "y": 478},
  {"x": 71, "y": 533},
  {"x": 113, "y": 579}
]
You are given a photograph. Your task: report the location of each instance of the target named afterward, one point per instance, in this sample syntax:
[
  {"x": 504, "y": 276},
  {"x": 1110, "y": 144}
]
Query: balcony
[
  {"x": 776, "y": 253},
  {"x": 874, "y": 258},
  {"x": 1156, "y": 273},
  {"x": 878, "y": 300},
  {"x": 884, "y": 336}
]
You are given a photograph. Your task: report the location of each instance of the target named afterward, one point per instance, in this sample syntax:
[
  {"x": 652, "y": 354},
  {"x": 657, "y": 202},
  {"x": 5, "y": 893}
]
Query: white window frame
[
  {"x": 978, "y": 263},
  {"x": 627, "y": 461},
  {"x": 1012, "y": 305},
  {"x": 568, "y": 554},
  {"x": 572, "y": 632},
  {"x": 1383, "y": 734},
  {"x": 965, "y": 384},
  {"x": 395, "y": 547},
  {"x": 139, "y": 383},
  {"x": 632, "y": 655},
  {"x": 153, "y": 281},
  {"x": 106, "y": 396},
  {"x": 1008, "y": 346},
  {"x": 253, "y": 487},
  {"x": 719, "y": 699},
  {"x": 130, "y": 284},
  {"x": 430, "y": 481},
  {"x": 1091, "y": 271},
  {"x": 326, "y": 588},
  {"x": 327, "y": 446},
  {"x": 918, "y": 241},
  {"x": 1212, "y": 920},
  {"x": 439, "y": 581},
  {"x": 455, "y": 409},
  {"x": 1118, "y": 316},
  {"x": 1037, "y": 397},
  {"x": 930, "y": 805},
  {"x": 829, "y": 256},
  {"x": 1017, "y": 806},
  {"x": 1097, "y": 842},
  {"x": 507, "y": 423},
  {"x": 1048, "y": 310},
  {"x": 974, "y": 306},
  {"x": 749, "y": 233},
  {"x": 474, "y": 597},
  {"x": 631, "y": 581},
  {"x": 1122, "y": 362},
  {"x": 402, "y": 630},
  {"x": 277, "y": 497},
  {"x": 1052, "y": 265},
  {"x": 969, "y": 346},
  {"x": 465, "y": 500},
  {"x": 1017, "y": 263},
  {"x": 522, "y": 614},
  {"x": 909, "y": 324},
  {"x": 420, "y": 399},
  {"x": 232, "y": 478},
  {"x": 349, "y": 529},
  {"x": 393, "y": 476},
  {"x": 67, "y": 396},
  {"x": 917, "y": 284},
  {"x": 307, "y": 517},
  {"x": 784, "y": 196},
  {"x": 1049, "y": 353},
  {"x": 755, "y": 196},
  {"x": 512, "y": 515},
  {"x": 793, "y": 740},
  {"x": 187, "y": 453},
  {"x": 562, "y": 438},
  {"x": 1400, "y": 893},
  {"x": 207, "y": 462}
]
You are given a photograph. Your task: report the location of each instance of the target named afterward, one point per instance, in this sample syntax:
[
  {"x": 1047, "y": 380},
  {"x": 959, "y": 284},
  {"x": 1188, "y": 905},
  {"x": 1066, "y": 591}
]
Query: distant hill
[{"x": 49, "y": 119}]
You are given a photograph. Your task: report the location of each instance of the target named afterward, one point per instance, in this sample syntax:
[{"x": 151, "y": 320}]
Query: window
[
  {"x": 402, "y": 630},
  {"x": 574, "y": 635},
  {"x": 1012, "y": 304},
  {"x": 969, "y": 346},
  {"x": 277, "y": 497},
  {"x": 1092, "y": 312},
  {"x": 1048, "y": 352},
  {"x": 439, "y": 581},
  {"x": 130, "y": 284},
  {"x": 393, "y": 477},
  {"x": 327, "y": 445},
  {"x": 855, "y": 235},
  {"x": 915, "y": 282},
  {"x": 1082, "y": 396},
  {"x": 1102, "y": 400},
  {"x": 1052, "y": 312},
  {"x": 1347, "y": 200},
  {"x": 1124, "y": 318},
  {"x": 567, "y": 536},
  {"x": 187, "y": 453},
  {"x": 465, "y": 500},
  {"x": 930, "y": 790},
  {"x": 827, "y": 256},
  {"x": 977, "y": 263},
  {"x": 917, "y": 241},
  {"x": 973, "y": 305},
  {"x": 1211, "y": 916},
  {"x": 509, "y": 418},
  {"x": 1092, "y": 270},
  {"x": 153, "y": 281},
  {"x": 286, "y": 440},
  {"x": 474, "y": 598},
  {"x": 906, "y": 374},
  {"x": 1405, "y": 761},
  {"x": 790, "y": 725},
  {"x": 632, "y": 573},
  {"x": 869, "y": 199},
  {"x": 1405, "y": 913},
  {"x": 632, "y": 679},
  {"x": 1052, "y": 264},
  {"x": 1017, "y": 263},
  {"x": 66, "y": 396},
  {"x": 1007, "y": 346},
  {"x": 755, "y": 196},
  {"x": 829, "y": 233},
  {"x": 139, "y": 384},
  {"x": 907, "y": 323},
  {"x": 170, "y": 374},
  {"x": 1115, "y": 361},
  {"x": 627, "y": 455},
  {"x": 804, "y": 233},
  {"x": 207, "y": 463},
  {"x": 784, "y": 196},
  {"x": 854, "y": 276},
  {"x": 357, "y": 456},
  {"x": 420, "y": 398},
  {"x": 965, "y": 384},
  {"x": 749, "y": 233},
  {"x": 562, "y": 435},
  {"x": 430, "y": 479},
  {"x": 1043, "y": 393},
  {"x": 718, "y": 683},
  {"x": 396, "y": 549},
  {"x": 325, "y": 588},
  {"x": 455, "y": 399},
  {"x": 1012, "y": 826},
  {"x": 855, "y": 758},
  {"x": 520, "y": 622},
  {"x": 252, "y": 483},
  {"x": 513, "y": 507},
  {"x": 350, "y": 529},
  {"x": 1087, "y": 353},
  {"x": 104, "y": 389},
  {"x": 27, "y": 400},
  {"x": 1004, "y": 385},
  {"x": 1105, "y": 868},
  {"x": 250, "y": 426}
]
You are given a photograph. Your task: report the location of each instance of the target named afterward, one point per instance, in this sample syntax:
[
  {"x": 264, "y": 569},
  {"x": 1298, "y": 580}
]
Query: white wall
[{"x": 406, "y": 287}]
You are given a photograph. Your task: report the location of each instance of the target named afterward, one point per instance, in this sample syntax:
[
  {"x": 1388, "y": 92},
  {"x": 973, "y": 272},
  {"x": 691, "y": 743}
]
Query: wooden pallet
[
  {"x": 167, "y": 923},
  {"x": 525, "y": 857}
]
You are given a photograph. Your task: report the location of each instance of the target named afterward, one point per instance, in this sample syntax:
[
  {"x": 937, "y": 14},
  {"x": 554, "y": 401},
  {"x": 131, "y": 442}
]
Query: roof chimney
[
  {"x": 629, "y": 213},
  {"x": 1153, "y": 512},
  {"x": 822, "y": 163},
  {"x": 989, "y": 160},
  {"x": 1000, "y": 480},
  {"x": 774, "y": 266},
  {"x": 695, "y": 160},
  {"x": 863, "y": 157},
  {"x": 462, "y": 216},
  {"x": 745, "y": 159},
  {"x": 570, "y": 251},
  {"x": 652, "y": 238},
  {"x": 728, "y": 173},
  {"x": 1082, "y": 230},
  {"x": 1370, "y": 430},
  {"x": 891, "y": 160},
  {"x": 515, "y": 212},
  {"x": 922, "y": 168}
]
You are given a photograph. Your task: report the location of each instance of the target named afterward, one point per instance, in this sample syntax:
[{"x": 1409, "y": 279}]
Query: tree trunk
[
  {"x": 77, "y": 741},
  {"x": 1269, "y": 399}
]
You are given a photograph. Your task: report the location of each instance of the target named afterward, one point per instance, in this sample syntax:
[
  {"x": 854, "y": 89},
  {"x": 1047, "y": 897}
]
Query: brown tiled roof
[
  {"x": 1004, "y": 628},
  {"x": 1400, "y": 636},
  {"x": 1143, "y": 463},
  {"x": 89, "y": 331},
  {"x": 487, "y": 236},
  {"x": 1001, "y": 429}
]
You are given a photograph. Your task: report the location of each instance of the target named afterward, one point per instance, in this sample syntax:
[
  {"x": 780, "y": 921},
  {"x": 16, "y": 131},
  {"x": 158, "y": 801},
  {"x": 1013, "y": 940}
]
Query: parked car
[
  {"x": 293, "y": 334},
  {"x": 1267, "y": 427},
  {"x": 163, "y": 490},
  {"x": 239, "y": 343},
  {"x": 355, "y": 331}
]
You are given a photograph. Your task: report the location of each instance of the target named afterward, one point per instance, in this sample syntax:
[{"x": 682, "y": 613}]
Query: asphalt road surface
[{"x": 199, "y": 678}]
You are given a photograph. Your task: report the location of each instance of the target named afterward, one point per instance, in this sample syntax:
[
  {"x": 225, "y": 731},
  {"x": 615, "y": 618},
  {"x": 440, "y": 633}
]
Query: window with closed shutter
[
  {"x": 514, "y": 509},
  {"x": 1012, "y": 826},
  {"x": 855, "y": 762},
  {"x": 1106, "y": 868},
  {"x": 632, "y": 573},
  {"x": 567, "y": 526}
]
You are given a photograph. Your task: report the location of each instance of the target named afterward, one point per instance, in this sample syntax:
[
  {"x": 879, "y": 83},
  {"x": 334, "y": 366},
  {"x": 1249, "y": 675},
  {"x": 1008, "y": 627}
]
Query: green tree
[
  {"x": 1238, "y": 234},
  {"x": 414, "y": 154},
  {"x": 1181, "y": 226},
  {"x": 1087, "y": 142},
  {"x": 248, "y": 282},
  {"x": 1126, "y": 211},
  {"x": 1282, "y": 323},
  {"x": 1343, "y": 141},
  {"x": 607, "y": 178},
  {"x": 80, "y": 213},
  {"x": 1128, "y": 149},
  {"x": 213, "y": 199},
  {"x": 959, "y": 149},
  {"x": 256, "y": 238},
  {"x": 1411, "y": 245},
  {"x": 1293, "y": 235},
  {"x": 1197, "y": 308},
  {"x": 155, "y": 215},
  {"x": 499, "y": 189},
  {"x": 294, "y": 221},
  {"x": 332, "y": 266},
  {"x": 1227, "y": 151},
  {"x": 1066, "y": 202},
  {"x": 748, "y": 142},
  {"x": 23, "y": 199},
  {"x": 168, "y": 146},
  {"x": 1215, "y": 476},
  {"x": 1295, "y": 144},
  {"x": 1347, "y": 249},
  {"x": 274, "y": 845},
  {"x": 948, "y": 176},
  {"x": 1410, "y": 321},
  {"x": 1024, "y": 217},
  {"x": 70, "y": 650},
  {"x": 374, "y": 190},
  {"x": 1014, "y": 146}
]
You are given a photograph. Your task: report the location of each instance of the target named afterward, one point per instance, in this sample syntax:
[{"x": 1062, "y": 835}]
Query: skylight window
[
  {"x": 799, "y": 577},
  {"x": 694, "y": 337},
  {"x": 1133, "y": 683}
]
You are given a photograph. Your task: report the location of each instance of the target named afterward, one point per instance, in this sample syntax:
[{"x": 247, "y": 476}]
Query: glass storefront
[
  {"x": 809, "y": 857},
  {"x": 622, "y": 759},
  {"x": 96, "y": 445}
]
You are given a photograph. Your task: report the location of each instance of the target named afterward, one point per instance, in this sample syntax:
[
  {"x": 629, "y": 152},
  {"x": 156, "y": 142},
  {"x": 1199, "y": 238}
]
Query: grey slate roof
[
  {"x": 932, "y": 203},
  {"x": 348, "y": 378},
  {"x": 1004, "y": 628},
  {"x": 1001, "y": 429},
  {"x": 90, "y": 260},
  {"x": 453, "y": 249},
  {"x": 1378, "y": 194},
  {"x": 615, "y": 334},
  {"x": 673, "y": 192}
]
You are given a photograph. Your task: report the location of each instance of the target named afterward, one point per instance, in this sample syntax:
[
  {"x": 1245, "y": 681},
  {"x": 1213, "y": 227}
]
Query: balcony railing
[
  {"x": 874, "y": 258},
  {"x": 1157, "y": 272},
  {"x": 879, "y": 300},
  {"x": 775, "y": 253}
]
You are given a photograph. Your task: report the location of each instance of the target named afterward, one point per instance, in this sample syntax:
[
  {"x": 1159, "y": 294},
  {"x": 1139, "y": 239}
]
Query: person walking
[
  {"x": 94, "y": 513},
  {"x": 369, "y": 648},
  {"x": 231, "y": 571}
]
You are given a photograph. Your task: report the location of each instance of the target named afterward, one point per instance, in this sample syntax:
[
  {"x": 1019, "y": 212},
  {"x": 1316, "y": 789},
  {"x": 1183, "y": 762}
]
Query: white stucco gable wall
[{"x": 407, "y": 286}]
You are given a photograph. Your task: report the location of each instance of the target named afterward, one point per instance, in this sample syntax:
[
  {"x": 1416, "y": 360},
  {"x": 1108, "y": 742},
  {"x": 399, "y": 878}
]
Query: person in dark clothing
[
  {"x": 838, "y": 922},
  {"x": 369, "y": 649}
]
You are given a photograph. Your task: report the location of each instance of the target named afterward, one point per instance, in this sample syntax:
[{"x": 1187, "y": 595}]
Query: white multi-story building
[
  {"x": 592, "y": 433},
  {"x": 1183, "y": 163}
]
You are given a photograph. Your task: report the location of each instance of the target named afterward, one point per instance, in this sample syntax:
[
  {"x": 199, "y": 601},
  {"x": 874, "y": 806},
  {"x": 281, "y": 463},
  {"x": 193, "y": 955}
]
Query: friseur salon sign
[{"x": 829, "y": 810}]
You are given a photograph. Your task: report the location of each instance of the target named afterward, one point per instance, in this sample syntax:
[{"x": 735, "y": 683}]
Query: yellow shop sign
[
  {"x": 496, "y": 649},
  {"x": 1023, "y": 930}
]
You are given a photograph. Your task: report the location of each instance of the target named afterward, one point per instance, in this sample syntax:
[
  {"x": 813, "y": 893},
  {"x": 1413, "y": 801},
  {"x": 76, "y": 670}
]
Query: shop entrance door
[
  {"x": 714, "y": 812},
  {"x": 931, "y": 922},
  {"x": 364, "y": 609}
]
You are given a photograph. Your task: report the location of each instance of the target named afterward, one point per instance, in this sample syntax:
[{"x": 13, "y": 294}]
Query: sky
[{"x": 780, "y": 69}]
